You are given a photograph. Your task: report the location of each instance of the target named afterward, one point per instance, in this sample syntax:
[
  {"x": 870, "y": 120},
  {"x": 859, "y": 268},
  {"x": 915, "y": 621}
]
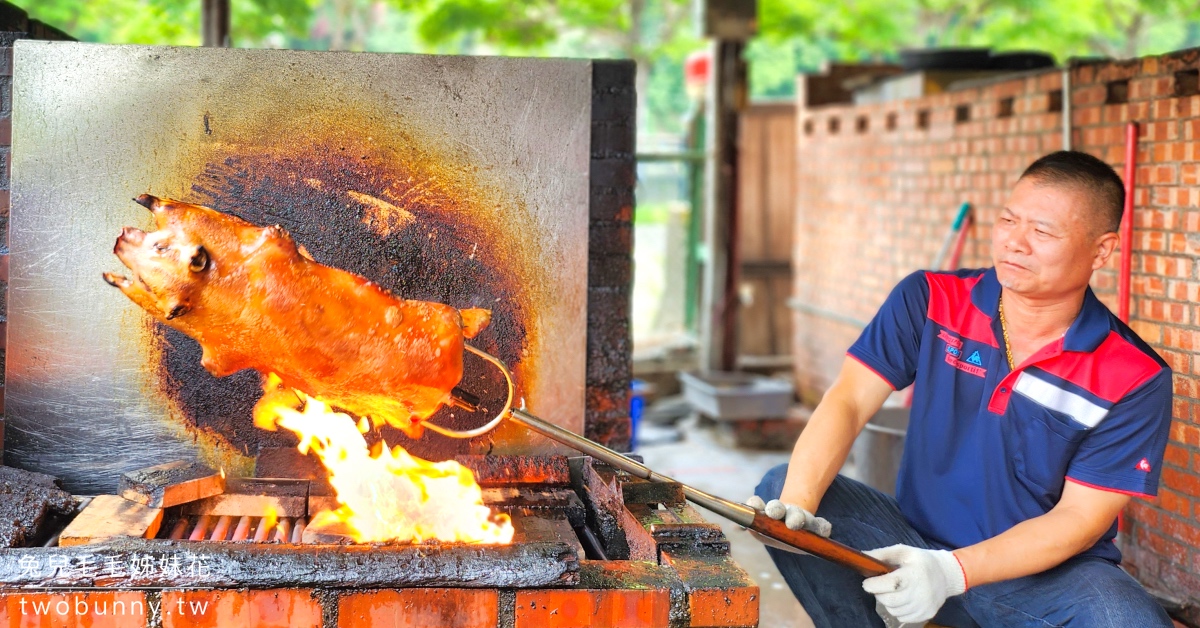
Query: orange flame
[
  {"x": 386, "y": 495},
  {"x": 270, "y": 518}
]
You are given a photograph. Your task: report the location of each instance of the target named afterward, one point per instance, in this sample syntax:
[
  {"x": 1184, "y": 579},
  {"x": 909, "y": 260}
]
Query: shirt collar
[{"x": 1086, "y": 332}]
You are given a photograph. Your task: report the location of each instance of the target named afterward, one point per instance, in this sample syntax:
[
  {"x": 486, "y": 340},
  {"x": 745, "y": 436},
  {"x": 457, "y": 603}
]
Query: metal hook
[{"x": 490, "y": 425}]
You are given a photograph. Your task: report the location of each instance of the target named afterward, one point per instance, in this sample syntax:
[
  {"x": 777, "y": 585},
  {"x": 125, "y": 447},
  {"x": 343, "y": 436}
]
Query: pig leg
[{"x": 135, "y": 291}]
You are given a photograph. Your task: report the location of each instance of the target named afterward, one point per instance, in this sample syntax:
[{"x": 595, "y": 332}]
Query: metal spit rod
[
  {"x": 738, "y": 513},
  {"x": 770, "y": 531}
]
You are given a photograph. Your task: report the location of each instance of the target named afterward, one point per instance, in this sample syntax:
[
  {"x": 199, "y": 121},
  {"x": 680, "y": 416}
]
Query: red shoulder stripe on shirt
[
  {"x": 1094, "y": 371},
  {"x": 950, "y": 306}
]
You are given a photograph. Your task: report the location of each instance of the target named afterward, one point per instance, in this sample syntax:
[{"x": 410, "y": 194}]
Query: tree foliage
[{"x": 795, "y": 35}]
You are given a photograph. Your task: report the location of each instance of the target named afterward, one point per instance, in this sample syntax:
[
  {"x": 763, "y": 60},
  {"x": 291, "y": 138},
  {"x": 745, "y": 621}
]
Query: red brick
[
  {"x": 1181, "y": 481},
  {"x": 1162, "y": 86},
  {"x": 1187, "y": 387},
  {"x": 452, "y": 608},
  {"x": 1186, "y": 434},
  {"x": 720, "y": 593},
  {"x": 1179, "y": 361},
  {"x": 1166, "y": 548},
  {"x": 1165, "y": 109},
  {"x": 1186, "y": 532},
  {"x": 577, "y": 608},
  {"x": 724, "y": 607},
  {"x": 271, "y": 608},
  {"x": 91, "y": 609},
  {"x": 1175, "y": 503},
  {"x": 1177, "y": 456},
  {"x": 1143, "y": 512},
  {"x": 1191, "y": 129},
  {"x": 1181, "y": 409}
]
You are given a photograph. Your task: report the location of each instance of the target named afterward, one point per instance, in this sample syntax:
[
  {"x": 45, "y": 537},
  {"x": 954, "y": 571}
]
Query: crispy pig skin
[{"x": 253, "y": 299}]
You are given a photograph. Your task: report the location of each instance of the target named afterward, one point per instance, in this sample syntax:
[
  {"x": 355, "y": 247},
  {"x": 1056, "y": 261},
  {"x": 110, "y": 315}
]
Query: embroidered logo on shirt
[
  {"x": 1143, "y": 465},
  {"x": 954, "y": 352},
  {"x": 950, "y": 339}
]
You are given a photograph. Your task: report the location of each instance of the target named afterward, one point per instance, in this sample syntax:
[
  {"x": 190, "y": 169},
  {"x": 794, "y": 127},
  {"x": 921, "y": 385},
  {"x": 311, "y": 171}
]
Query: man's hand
[
  {"x": 794, "y": 517},
  {"x": 915, "y": 591}
]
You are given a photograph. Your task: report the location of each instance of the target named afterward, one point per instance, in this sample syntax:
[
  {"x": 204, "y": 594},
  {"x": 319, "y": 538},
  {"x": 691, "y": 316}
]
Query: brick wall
[{"x": 879, "y": 186}]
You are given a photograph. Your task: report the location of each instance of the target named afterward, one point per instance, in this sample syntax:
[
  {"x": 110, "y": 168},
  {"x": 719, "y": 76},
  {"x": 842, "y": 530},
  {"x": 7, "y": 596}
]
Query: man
[{"x": 1036, "y": 416}]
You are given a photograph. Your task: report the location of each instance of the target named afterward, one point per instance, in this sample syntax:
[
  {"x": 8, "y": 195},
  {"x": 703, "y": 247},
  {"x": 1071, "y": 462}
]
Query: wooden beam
[
  {"x": 726, "y": 98},
  {"x": 537, "y": 502},
  {"x": 253, "y": 497},
  {"x": 215, "y": 23},
  {"x": 109, "y": 516},
  {"x": 171, "y": 484},
  {"x": 539, "y": 528},
  {"x": 273, "y": 566},
  {"x": 321, "y": 496}
]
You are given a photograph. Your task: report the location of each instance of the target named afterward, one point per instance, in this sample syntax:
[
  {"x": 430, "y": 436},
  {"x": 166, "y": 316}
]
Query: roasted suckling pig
[{"x": 253, "y": 299}]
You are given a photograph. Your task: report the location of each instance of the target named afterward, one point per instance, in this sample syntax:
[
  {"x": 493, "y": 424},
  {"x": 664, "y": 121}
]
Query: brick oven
[
  {"x": 594, "y": 547},
  {"x": 186, "y": 544}
]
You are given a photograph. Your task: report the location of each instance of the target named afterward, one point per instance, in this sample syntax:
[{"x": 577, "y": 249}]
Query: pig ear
[
  {"x": 174, "y": 307},
  {"x": 157, "y": 206},
  {"x": 278, "y": 237},
  {"x": 148, "y": 201},
  {"x": 176, "y": 310}
]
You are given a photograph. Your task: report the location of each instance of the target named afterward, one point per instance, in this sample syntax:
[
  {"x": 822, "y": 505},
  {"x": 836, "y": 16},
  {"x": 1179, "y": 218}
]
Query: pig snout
[
  {"x": 130, "y": 238},
  {"x": 133, "y": 235}
]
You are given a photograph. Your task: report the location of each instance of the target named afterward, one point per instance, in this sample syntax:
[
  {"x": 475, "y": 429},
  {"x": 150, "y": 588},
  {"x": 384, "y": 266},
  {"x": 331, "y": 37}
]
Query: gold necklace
[{"x": 1004, "y": 332}]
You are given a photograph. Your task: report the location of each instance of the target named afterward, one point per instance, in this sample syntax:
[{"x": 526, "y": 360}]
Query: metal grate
[{"x": 231, "y": 528}]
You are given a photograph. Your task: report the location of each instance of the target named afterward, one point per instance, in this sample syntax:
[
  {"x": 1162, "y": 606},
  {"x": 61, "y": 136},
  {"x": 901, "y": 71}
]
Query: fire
[{"x": 385, "y": 495}]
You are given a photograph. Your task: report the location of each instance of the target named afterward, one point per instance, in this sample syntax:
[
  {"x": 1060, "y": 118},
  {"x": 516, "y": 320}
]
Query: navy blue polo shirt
[{"x": 988, "y": 448}]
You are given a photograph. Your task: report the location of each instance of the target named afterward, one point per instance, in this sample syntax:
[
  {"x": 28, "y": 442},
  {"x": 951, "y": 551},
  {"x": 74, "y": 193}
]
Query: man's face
[{"x": 1045, "y": 242}]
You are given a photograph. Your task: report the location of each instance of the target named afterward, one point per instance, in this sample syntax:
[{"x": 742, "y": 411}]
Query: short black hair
[{"x": 1094, "y": 176}]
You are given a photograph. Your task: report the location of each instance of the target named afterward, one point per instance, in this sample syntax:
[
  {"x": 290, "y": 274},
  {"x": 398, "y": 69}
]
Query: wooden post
[
  {"x": 215, "y": 23},
  {"x": 729, "y": 23}
]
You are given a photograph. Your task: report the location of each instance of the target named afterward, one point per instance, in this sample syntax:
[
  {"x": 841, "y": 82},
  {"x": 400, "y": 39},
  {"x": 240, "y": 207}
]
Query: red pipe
[
  {"x": 1123, "y": 298},
  {"x": 960, "y": 240},
  {"x": 1131, "y": 139}
]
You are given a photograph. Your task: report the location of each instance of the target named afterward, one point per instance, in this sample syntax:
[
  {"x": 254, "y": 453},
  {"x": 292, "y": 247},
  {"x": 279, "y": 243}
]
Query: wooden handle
[{"x": 818, "y": 545}]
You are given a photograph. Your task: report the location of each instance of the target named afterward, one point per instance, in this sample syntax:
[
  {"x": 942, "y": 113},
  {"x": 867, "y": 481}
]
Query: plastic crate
[{"x": 737, "y": 396}]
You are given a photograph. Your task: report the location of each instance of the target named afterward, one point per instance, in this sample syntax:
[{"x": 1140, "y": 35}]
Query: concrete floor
[{"x": 701, "y": 461}]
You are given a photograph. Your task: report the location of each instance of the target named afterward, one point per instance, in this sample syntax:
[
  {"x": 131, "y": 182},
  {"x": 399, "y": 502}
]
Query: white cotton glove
[
  {"x": 915, "y": 591},
  {"x": 794, "y": 517}
]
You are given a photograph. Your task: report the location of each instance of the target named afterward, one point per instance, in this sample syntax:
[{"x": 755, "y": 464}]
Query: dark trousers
[{"x": 1083, "y": 592}]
